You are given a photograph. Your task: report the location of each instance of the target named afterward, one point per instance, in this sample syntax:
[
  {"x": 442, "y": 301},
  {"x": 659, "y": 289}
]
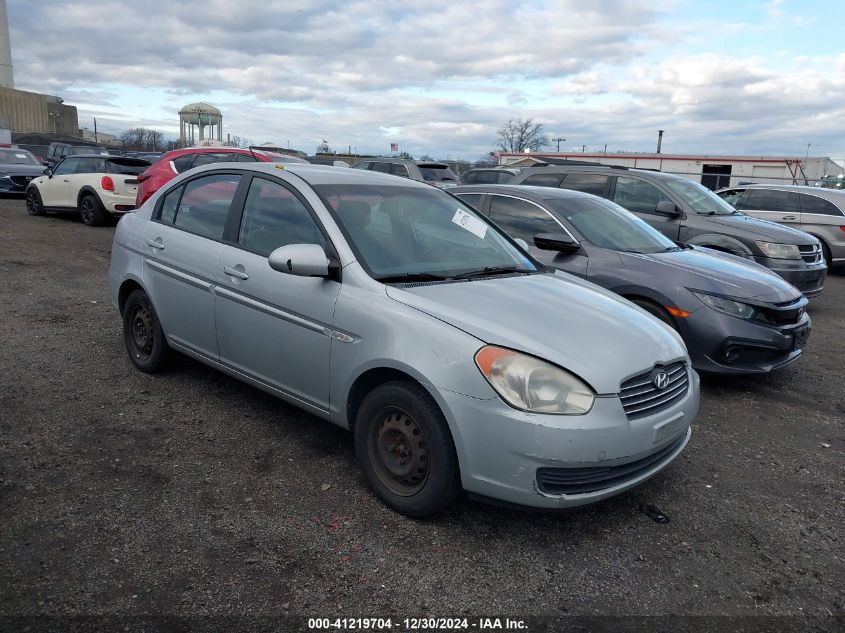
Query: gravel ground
[{"x": 188, "y": 494}]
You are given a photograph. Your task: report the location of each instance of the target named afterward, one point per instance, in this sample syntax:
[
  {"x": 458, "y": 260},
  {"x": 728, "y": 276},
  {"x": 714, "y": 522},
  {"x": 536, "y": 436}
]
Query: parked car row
[{"x": 535, "y": 343}]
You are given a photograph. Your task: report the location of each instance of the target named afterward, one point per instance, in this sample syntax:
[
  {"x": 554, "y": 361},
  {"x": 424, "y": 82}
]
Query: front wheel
[
  {"x": 406, "y": 450},
  {"x": 142, "y": 333},
  {"x": 92, "y": 211},
  {"x": 34, "y": 205}
]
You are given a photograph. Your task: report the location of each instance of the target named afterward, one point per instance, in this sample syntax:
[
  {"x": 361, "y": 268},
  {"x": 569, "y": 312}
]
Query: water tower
[{"x": 199, "y": 115}]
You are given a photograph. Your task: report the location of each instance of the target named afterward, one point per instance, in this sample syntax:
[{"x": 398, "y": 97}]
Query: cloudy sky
[{"x": 441, "y": 76}]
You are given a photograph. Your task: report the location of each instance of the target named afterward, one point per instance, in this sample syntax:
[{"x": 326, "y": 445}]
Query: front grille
[
  {"x": 641, "y": 396},
  {"x": 20, "y": 181},
  {"x": 573, "y": 481},
  {"x": 811, "y": 253}
]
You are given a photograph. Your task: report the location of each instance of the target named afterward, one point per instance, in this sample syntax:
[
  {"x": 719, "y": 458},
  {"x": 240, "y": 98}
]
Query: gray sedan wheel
[
  {"x": 142, "y": 333},
  {"x": 406, "y": 450}
]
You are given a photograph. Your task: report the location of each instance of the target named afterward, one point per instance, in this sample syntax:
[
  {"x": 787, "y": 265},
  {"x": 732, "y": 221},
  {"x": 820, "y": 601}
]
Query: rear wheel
[
  {"x": 34, "y": 206},
  {"x": 142, "y": 333},
  {"x": 92, "y": 211},
  {"x": 406, "y": 450},
  {"x": 656, "y": 310}
]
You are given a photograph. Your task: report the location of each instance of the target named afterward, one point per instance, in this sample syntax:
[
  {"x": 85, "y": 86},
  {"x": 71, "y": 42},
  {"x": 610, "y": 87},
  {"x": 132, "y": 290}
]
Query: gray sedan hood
[
  {"x": 598, "y": 336},
  {"x": 763, "y": 229},
  {"x": 711, "y": 271}
]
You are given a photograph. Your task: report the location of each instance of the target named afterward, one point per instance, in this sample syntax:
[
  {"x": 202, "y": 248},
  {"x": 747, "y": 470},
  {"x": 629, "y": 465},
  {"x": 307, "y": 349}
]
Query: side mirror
[
  {"x": 45, "y": 163},
  {"x": 664, "y": 207},
  {"x": 302, "y": 260},
  {"x": 556, "y": 242},
  {"x": 522, "y": 243},
  {"x": 48, "y": 172}
]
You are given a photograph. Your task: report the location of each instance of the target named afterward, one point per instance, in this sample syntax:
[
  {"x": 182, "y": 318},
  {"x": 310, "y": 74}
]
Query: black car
[
  {"x": 17, "y": 168},
  {"x": 61, "y": 149},
  {"x": 735, "y": 316},
  {"x": 686, "y": 211}
]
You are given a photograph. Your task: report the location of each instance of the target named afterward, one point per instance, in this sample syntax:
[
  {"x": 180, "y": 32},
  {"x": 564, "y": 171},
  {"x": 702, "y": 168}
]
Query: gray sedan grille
[
  {"x": 641, "y": 395},
  {"x": 812, "y": 253}
]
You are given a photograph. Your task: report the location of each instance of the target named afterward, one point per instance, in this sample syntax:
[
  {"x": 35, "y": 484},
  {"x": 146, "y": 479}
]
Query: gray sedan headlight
[
  {"x": 779, "y": 251},
  {"x": 728, "y": 306},
  {"x": 531, "y": 384}
]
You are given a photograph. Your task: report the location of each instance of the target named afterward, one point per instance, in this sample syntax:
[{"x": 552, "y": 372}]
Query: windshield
[
  {"x": 698, "y": 197},
  {"x": 607, "y": 225},
  {"x": 17, "y": 157},
  {"x": 437, "y": 173},
  {"x": 405, "y": 233}
]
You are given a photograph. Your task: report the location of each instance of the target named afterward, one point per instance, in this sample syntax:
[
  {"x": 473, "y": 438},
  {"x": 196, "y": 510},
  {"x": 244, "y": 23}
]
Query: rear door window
[
  {"x": 89, "y": 166},
  {"x": 472, "y": 199},
  {"x": 204, "y": 207},
  {"x": 208, "y": 158},
  {"x": 382, "y": 168},
  {"x": 542, "y": 180},
  {"x": 399, "y": 170},
  {"x": 768, "y": 200},
  {"x": 637, "y": 195},
  {"x": 818, "y": 206},
  {"x": 595, "y": 184}
]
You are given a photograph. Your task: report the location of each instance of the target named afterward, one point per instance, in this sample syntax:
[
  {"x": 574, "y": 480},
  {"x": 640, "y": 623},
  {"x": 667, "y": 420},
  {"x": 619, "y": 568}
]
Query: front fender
[{"x": 721, "y": 243}]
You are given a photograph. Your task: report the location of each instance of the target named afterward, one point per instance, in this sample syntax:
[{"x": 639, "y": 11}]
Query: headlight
[
  {"x": 728, "y": 306},
  {"x": 779, "y": 251},
  {"x": 531, "y": 384}
]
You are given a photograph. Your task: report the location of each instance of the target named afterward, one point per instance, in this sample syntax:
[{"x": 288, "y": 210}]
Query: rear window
[
  {"x": 437, "y": 173},
  {"x": 125, "y": 167},
  {"x": 207, "y": 158}
]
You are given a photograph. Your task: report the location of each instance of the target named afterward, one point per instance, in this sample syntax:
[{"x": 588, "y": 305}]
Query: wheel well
[
  {"x": 660, "y": 306},
  {"x": 84, "y": 192},
  {"x": 365, "y": 383},
  {"x": 126, "y": 289}
]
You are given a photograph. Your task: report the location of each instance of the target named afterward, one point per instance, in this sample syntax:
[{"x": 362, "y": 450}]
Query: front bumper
[
  {"x": 722, "y": 344},
  {"x": 500, "y": 449},
  {"x": 15, "y": 185},
  {"x": 808, "y": 278}
]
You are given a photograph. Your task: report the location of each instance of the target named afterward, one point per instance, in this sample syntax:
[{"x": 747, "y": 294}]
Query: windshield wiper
[
  {"x": 490, "y": 270},
  {"x": 386, "y": 279}
]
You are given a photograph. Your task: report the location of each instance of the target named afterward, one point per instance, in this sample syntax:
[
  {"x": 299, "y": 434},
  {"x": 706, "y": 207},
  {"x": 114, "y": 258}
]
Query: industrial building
[{"x": 713, "y": 171}]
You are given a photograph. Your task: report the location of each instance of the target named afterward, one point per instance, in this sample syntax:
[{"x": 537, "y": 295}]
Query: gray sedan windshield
[
  {"x": 700, "y": 198},
  {"x": 607, "y": 225},
  {"x": 417, "y": 233}
]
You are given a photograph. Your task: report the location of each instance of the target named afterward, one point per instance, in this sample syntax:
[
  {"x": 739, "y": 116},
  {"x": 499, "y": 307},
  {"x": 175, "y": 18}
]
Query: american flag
[{"x": 394, "y": 147}]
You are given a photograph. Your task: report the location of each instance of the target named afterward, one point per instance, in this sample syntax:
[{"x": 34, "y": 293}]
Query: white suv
[{"x": 95, "y": 185}]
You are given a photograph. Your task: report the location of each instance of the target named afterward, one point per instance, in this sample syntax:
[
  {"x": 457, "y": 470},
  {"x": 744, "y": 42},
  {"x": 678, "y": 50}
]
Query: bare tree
[
  {"x": 142, "y": 139},
  {"x": 517, "y": 135}
]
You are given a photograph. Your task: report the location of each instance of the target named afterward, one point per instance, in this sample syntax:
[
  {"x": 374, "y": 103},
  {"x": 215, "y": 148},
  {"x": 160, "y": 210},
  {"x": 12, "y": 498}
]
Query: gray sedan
[
  {"x": 736, "y": 316},
  {"x": 390, "y": 308}
]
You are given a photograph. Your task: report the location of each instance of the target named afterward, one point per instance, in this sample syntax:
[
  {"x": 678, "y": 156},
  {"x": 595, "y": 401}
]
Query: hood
[
  {"x": 763, "y": 229},
  {"x": 711, "y": 271},
  {"x": 21, "y": 170},
  {"x": 589, "y": 331}
]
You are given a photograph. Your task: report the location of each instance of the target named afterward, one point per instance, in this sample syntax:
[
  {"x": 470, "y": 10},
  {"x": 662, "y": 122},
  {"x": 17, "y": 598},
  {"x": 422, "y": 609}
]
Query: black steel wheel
[
  {"x": 92, "y": 211},
  {"x": 142, "y": 333},
  {"x": 34, "y": 206},
  {"x": 406, "y": 450}
]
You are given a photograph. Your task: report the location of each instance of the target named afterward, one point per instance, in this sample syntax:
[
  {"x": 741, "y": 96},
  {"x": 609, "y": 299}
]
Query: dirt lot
[{"x": 189, "y": 494}]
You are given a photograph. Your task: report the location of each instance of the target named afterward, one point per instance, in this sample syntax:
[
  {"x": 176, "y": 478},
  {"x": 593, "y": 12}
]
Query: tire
[
  {"x": 34, "y": 205},
  {"x": 657, "y": 311},
  {"x": 406, "y": 450},
  {"x": 92, "y": 211},
  {"x": 142, "y": 333}
]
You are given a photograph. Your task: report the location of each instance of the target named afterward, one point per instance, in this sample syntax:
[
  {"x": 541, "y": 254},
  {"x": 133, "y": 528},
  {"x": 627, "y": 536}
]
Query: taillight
[
  {"x": 142, "y": 177},
  {"x": 842, "y": 228},
  {"x": 107, "y": 183}
]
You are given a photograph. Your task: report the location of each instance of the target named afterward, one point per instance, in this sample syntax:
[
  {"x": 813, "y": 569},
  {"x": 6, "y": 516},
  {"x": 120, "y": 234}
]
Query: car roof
[
  {"x": 561, "y": 169},
  {"x": 318, "y": 174},
  {"x": 531, "y": 192},
  {"x": 403, "y": 161},
  {"x": 824, "y": 192}
]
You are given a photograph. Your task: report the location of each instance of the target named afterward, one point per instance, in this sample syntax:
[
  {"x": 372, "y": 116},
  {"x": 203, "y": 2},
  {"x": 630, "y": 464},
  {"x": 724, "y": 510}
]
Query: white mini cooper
[{"x": 96, "y": 185}]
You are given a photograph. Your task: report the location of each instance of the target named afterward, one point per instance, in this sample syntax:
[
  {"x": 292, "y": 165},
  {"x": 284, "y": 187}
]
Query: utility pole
[
  {"x": 559, "y": 140},
  {"x": 95, "y": 130},
  {"x": 659, "y": 140},
  {"x": 605, "y": 149},
  {"x": 583, "y": 148}
]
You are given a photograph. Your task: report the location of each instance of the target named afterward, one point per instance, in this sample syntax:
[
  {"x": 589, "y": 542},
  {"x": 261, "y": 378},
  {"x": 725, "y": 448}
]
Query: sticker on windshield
[{"x": 470, "y": 223}]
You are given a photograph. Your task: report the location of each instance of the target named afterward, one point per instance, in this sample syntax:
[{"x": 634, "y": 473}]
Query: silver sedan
[{"x": 390, "y": 308}]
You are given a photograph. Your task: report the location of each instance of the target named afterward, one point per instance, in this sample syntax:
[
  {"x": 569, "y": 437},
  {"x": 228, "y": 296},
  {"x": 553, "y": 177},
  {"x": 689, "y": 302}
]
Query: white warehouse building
[{"x": 711, "y": 171}]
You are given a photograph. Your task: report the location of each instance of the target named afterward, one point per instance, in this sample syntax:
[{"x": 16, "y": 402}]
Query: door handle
[
  {"x": 238, "y": 272},
  {"x": 156, "y": 244},
  {"x": 65, "y": 179},
  {"x": 789, "y": 217}
]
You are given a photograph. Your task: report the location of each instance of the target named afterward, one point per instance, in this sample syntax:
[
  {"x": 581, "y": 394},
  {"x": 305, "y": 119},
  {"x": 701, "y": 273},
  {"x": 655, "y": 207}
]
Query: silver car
[
  {"x": 390, "y": 308},
  {"x": 814, "y": 210}
]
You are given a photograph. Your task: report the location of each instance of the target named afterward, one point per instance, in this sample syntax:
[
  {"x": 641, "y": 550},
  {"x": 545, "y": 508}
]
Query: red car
[{"x": 178, "y": 160}]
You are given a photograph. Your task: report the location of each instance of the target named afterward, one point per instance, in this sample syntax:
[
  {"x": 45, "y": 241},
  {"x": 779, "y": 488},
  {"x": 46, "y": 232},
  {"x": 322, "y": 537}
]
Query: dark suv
[
  {"x": 59, "y": 150},
  {"x": 688, "y": 212},
  {"x": 437, "y": 174}
]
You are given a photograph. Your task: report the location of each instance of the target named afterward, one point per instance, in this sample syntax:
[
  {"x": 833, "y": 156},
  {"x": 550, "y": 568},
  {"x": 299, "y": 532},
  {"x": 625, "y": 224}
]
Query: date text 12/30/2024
[{"x": 417, "y": 624}]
